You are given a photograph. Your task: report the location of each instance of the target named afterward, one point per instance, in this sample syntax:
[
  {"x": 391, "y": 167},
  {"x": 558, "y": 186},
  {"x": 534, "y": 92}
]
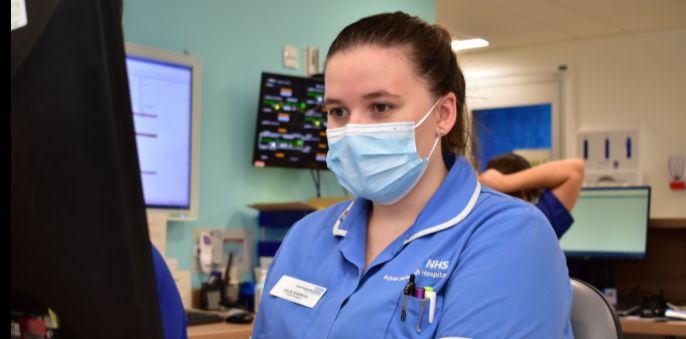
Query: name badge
[{"x": 297, "y": 291}]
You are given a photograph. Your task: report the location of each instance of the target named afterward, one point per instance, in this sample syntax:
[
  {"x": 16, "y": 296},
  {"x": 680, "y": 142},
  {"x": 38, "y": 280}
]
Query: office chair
[{"x": 592, "y": 316}]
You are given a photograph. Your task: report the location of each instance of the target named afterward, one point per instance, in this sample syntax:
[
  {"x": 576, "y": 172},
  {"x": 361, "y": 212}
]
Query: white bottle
[{"x": 232, "y": 285}]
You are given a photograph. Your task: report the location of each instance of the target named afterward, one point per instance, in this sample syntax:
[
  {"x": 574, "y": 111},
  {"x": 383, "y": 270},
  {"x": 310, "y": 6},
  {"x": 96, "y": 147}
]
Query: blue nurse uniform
[{"x": 493, "y": 260}]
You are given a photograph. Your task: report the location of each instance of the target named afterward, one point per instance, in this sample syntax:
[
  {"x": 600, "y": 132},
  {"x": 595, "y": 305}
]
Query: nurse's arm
[{"x": 562, "y": 177}]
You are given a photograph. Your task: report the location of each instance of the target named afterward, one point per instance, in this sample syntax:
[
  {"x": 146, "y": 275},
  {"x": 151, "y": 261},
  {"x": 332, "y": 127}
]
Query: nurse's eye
[
  {"x": 337, "y": 112},
  {"x": 380, "y": 108}
]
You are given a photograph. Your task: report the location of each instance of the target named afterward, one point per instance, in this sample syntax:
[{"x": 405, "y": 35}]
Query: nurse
[{"x": 424, "y": 251}]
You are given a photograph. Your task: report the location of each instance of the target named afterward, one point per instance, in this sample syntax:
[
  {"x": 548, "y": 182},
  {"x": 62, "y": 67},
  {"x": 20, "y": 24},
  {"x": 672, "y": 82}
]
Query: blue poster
[{"x": 502, "y": 130}]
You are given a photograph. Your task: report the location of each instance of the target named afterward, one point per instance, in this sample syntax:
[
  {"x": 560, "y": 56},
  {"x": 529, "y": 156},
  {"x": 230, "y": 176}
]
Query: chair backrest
[{"x": 592, "y": 316}]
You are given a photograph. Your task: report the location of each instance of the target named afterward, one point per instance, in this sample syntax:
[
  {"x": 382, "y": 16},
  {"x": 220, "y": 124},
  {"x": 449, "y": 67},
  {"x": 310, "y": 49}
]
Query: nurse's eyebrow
[
  {"x": 368, "y": 96},
  {"x": 379, "y": 94},
  {"x": 332, "y": 101}
]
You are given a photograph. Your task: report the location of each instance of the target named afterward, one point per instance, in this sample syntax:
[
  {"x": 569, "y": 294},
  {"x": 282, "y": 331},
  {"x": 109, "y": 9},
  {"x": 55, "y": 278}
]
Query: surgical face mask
[{"x": 378, "y": 162}]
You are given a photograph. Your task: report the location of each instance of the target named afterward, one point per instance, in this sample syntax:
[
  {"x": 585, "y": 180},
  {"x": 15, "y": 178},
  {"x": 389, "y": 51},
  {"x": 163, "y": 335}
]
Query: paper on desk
[
  {"x": 157, "y": 226},
  {"x": 182, "y": 279},
  {"x": 183, "y": 284},
  {"x": 172, "y": 264}
]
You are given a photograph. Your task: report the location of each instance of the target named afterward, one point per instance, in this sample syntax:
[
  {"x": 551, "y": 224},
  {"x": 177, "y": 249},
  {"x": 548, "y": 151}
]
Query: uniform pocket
[{"x": 416, "y": 323}]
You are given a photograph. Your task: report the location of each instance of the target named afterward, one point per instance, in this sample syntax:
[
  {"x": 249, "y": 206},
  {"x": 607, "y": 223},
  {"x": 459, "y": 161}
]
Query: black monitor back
[{"x": 79, "y": 236}]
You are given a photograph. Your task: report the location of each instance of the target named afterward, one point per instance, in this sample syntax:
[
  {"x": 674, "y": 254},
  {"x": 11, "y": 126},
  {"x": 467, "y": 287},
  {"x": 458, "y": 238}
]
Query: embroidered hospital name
[
  {"x": 430, "y": 274},
  {"x": 395, "y": 277}
]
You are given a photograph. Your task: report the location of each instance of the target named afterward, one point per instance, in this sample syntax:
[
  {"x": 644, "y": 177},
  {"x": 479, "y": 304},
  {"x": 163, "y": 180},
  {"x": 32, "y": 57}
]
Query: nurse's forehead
[{"x": 356, "y": 73}]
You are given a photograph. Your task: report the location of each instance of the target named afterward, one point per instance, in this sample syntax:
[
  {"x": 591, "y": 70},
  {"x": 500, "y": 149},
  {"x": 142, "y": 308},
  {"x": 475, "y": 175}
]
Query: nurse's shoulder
[
  {"x": 511, "y": 266},
  {"x": 313, "y": 232},
  {"x": 496, "y": 207}
]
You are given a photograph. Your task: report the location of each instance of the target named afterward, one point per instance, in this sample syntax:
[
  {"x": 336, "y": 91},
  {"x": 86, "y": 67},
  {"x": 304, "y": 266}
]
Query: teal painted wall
[{"x": 236, "y": 41}]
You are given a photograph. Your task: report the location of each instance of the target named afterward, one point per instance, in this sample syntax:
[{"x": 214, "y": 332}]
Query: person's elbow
[
  {"x": 568, "y": 192},
  {"x": 577, "y": 166},
  {"x": 577, "y": 172}
]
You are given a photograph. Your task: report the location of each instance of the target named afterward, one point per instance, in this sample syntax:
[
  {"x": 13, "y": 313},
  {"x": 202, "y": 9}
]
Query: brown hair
[
  {"x": 509, "y": 163},
  {"x": 431, "y": 54}
]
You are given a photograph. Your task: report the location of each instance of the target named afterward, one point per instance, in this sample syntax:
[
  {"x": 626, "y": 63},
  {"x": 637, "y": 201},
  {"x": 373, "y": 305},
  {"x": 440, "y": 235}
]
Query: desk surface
[
  {"x": 629, "y": 325},
  {"x": 220, "y": 330},
  {"x": 647, "y": 326}
]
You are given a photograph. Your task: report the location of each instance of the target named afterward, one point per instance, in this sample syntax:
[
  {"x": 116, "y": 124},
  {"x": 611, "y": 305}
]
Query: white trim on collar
[
  {"x": 338, "y": 231},
  {"x": 452, "y": 222}
]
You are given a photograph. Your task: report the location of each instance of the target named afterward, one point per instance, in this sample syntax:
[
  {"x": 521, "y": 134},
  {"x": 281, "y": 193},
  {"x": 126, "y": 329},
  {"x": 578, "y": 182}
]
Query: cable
[{"x": 317, "y": 180}]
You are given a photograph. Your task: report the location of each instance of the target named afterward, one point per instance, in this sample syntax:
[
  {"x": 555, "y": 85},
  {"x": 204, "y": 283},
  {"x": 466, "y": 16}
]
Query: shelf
[
  {"x": 668, "y": 223},
  {"x": 649, "y": 326}
]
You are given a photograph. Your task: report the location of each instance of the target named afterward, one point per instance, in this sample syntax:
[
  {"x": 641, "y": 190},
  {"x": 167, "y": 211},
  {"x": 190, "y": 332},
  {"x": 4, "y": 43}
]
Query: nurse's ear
[{"x": 446, "y": 113}]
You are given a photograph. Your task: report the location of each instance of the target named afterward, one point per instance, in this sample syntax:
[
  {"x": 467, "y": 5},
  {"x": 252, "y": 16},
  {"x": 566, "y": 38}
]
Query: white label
[
  {"x": 16, "y": 330},
  {"x": 298, "y": 291},
  {"x": 17, "y": 14}
]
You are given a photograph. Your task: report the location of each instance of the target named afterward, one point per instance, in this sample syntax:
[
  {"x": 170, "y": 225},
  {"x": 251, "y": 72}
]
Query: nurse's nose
[{"x": 359, "y": 117}]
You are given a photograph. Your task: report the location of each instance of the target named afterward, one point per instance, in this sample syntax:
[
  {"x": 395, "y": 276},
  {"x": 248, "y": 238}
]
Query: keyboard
[{"x": 201, "y": 318}]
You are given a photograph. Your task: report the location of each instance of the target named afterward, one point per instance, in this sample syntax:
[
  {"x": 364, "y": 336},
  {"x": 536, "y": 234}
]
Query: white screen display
[
  {"x": 611, "y": 222},
  {"x": 161, "y": 95}
]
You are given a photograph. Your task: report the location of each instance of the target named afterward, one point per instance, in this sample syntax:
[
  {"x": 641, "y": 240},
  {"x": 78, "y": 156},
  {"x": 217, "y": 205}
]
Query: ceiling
[{"x": 516, "y": 23}]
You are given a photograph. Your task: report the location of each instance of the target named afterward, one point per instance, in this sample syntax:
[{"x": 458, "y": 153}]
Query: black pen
[{"x": 407, "y": 292}]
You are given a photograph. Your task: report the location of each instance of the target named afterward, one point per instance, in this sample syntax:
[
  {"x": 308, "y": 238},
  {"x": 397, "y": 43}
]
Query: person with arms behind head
[{"x": 560, "y": 182}]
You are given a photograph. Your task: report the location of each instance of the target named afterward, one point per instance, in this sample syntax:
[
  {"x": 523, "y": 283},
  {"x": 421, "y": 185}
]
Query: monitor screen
[
  {"x": 291, "y": 123},
  {"x": 609, "y": 223},
  {"x": 162, "y": 86}
]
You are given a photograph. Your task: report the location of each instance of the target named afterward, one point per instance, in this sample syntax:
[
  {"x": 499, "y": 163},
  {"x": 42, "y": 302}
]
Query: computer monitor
[
  {"x": 165, "y": 95},
  {"x": 291, "y": 123},
  {"x": 79, "y": 239},
  {"x": 609, "y": 223}
]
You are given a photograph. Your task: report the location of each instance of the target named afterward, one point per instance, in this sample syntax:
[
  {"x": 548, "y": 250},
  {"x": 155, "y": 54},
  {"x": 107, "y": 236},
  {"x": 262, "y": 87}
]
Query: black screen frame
[
  {"x": 283, "y": 164},
  {"x": 593, "y": 255}
]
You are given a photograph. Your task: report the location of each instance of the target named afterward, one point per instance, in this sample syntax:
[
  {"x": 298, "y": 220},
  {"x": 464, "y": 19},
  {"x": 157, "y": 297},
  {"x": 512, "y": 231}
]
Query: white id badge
[{"x": 298, "y": 291}]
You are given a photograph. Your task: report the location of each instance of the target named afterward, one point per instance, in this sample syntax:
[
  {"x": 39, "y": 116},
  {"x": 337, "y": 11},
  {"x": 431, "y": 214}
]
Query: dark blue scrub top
[{"x": 555, "y": 212}]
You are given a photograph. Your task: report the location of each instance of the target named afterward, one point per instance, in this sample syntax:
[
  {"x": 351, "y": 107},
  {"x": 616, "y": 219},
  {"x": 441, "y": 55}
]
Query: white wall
[{"x": 633, "y": 80}]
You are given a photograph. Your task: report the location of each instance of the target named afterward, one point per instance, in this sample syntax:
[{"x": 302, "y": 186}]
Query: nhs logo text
[{"x": 437, "y": 264}]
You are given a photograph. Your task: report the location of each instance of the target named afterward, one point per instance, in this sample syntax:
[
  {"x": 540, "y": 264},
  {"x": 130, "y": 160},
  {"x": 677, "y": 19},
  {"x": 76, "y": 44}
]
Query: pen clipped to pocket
[{"x": 423, "y": 297}]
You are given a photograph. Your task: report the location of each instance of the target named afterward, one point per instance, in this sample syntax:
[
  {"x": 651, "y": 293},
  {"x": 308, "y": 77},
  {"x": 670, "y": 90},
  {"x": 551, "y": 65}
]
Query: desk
[
  {"x": 220, "y": 331},
  {"x": 645, "y": 326},
  {"x": 629, "y": 325}
]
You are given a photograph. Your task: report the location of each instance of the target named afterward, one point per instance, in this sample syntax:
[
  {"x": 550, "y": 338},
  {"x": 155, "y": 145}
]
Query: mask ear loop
[
  {"x": 433, "y": 148},
  {"x": 431, "y": 110},
  {"x": 422, "y": 121}
]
